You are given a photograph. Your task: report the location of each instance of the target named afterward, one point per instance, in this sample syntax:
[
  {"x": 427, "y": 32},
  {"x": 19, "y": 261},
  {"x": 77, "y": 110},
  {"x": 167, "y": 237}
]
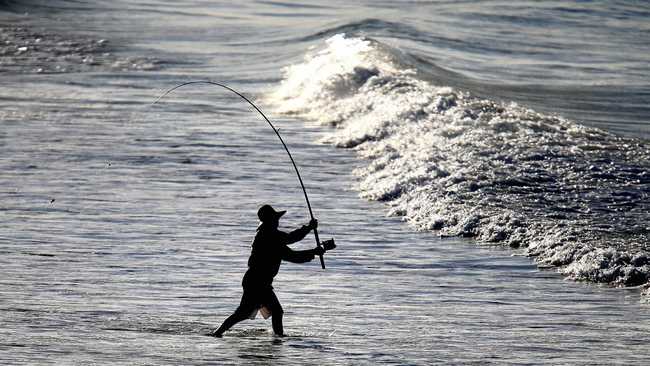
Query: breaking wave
[{"x": 574, "y": 197}]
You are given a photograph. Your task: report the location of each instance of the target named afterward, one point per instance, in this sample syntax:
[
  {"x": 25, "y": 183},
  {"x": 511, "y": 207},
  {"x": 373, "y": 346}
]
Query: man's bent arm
[{"x": 297, "y": 256}]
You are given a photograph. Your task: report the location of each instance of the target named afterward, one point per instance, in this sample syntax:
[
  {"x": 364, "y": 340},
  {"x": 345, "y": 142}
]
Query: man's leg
[
  {"x": 246, "y": 307},
  {"x": 235, "y": 318},
  {"x": 273, "y": 304}
]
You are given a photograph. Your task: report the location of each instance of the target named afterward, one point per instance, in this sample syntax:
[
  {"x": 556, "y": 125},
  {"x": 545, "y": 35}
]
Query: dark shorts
[{"x": 255, "y": 298}]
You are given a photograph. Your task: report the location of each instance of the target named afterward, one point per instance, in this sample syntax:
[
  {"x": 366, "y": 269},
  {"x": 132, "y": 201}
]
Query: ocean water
[{"x": 472, "y": 159}]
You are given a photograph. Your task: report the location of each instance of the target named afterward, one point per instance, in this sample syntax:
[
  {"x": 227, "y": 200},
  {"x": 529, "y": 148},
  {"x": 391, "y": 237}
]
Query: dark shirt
[{"x": 270, "y": 248}]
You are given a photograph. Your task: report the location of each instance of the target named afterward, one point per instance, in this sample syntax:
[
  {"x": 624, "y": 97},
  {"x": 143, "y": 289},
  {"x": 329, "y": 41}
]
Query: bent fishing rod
[{"x": 295, "y": 167}]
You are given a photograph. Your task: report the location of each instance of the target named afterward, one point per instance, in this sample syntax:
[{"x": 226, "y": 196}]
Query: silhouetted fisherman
[{"x": 270, "y": 248}]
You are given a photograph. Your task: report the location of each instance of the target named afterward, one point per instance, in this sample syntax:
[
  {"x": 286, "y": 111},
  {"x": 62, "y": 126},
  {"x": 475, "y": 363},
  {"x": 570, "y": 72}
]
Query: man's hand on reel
[{"x": 326, "y": 245}]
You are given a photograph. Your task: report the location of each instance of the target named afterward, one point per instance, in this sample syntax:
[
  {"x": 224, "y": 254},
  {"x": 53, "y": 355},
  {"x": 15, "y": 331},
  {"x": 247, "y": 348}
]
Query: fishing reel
[{"x": 328, "y": 244}]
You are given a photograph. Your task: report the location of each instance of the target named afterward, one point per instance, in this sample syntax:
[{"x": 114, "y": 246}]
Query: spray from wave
[{"x": 574, "y": 197}]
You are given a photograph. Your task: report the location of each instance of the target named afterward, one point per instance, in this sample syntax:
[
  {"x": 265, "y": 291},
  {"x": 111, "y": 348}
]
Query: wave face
[{"x": 574, "y": 197}]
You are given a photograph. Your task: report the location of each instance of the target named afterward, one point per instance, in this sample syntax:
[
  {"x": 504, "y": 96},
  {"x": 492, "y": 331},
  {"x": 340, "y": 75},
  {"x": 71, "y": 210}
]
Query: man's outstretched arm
[
  {"x": 302, "y": 256},
  {"x": 299, "y": 234}
]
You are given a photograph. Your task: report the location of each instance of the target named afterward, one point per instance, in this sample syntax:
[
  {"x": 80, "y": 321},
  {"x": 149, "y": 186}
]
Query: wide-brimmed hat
[{"x": 266, "y": 213}]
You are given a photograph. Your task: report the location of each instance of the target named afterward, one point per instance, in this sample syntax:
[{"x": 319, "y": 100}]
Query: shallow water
[{"x": 125, "y": 229}]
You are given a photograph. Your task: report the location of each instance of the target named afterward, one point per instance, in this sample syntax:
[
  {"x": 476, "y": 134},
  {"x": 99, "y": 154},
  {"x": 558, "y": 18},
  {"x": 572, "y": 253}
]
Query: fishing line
[{"x": 295, "y": 167}]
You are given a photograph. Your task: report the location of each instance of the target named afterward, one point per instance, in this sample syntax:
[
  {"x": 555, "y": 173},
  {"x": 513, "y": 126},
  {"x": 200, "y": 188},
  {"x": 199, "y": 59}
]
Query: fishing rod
[{"x": 295, "y": 167}]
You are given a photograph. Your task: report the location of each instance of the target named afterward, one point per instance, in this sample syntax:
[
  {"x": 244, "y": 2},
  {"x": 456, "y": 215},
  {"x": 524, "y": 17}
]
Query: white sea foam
[{"x": 574, "y": 197}]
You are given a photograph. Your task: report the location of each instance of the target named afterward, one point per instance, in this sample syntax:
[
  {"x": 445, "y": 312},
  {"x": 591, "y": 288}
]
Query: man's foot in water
[{"x": 216, "y": 333}]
